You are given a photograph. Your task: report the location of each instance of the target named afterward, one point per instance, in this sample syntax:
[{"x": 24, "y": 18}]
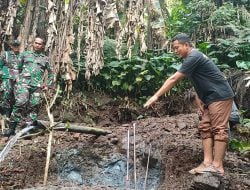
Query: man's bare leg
[
  {"x": 219, "y": 155},
  {"x": 208, "y": 151},
  {"x": 207, "y": 157}
]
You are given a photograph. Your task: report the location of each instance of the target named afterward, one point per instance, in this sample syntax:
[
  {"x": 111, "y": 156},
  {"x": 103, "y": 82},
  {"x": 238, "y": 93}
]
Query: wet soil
[{"x": 159, "y": 154}]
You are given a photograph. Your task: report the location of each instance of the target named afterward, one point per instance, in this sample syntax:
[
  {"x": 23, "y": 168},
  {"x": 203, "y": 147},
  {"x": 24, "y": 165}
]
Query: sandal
[
  {"x": 199, "y": 169},
  {"x": 213, "y": 170}
]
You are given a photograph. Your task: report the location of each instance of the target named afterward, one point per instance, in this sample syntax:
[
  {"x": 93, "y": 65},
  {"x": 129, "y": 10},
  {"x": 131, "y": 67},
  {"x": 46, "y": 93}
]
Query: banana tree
[{"x": 8, "y": 10}]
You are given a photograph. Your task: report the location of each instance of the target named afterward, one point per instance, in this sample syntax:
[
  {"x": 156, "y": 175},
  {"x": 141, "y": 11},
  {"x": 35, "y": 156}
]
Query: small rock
[
  {"x": 208, "y": 181},
  {"x": 126, "y": 125},
  {"x": 181, "y": 125},
  {"x": 114, "y": 140}
]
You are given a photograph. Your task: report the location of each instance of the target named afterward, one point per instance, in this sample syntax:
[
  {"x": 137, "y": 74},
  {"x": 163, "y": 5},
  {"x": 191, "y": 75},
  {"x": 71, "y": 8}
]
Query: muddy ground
[{"x": 165, "y": 146}]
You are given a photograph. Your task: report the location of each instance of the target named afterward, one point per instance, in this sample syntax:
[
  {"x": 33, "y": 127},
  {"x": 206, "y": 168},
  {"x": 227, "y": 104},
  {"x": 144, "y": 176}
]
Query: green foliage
[
  {"x": 201, "y": 9},
  {"x": 190, "y": 17},
  {"x": 109, "y": 49},
  {"x": 141, "y": 76},
  {"x": 219, "y": 29},
  {"x": 245, "y": 122},
  {"x": 138, "y": 77},
  {"x": 178, "y": 21},
  {"x": 204, "y": 47},
  {"x": 234, "y": 52},
  {"x": 23, "y": 2},
  {"x": 242, "y": 147},
  {"x": 203, "y": 20},
  {"x": 223, "y": 15},
  {"x": 244, "y": 65},
  {"x": 242, "y": 131}
]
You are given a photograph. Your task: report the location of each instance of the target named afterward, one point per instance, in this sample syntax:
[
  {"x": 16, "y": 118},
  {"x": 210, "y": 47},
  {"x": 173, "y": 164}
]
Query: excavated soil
[{"x": 161, "y": 151}]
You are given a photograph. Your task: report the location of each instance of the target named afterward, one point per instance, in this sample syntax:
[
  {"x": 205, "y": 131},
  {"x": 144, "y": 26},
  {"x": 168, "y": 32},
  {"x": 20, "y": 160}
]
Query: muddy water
[{"x": 85, "y": 167}]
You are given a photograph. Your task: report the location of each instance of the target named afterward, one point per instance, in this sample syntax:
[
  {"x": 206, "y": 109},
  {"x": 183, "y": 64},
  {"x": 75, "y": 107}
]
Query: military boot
[{"x": 11, "y": 130}]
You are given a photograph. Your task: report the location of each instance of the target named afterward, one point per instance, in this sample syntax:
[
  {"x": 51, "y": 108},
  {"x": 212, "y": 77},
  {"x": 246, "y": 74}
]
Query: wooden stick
[
  {"x": 51, "y": 124},
  {"x": 146, "y": 176},
  {"x": 2, "y": 122},
  {"x": 46, "y": 171},
  {"x": 127, "y": 177},
  {"x": 134, "y": 156}
]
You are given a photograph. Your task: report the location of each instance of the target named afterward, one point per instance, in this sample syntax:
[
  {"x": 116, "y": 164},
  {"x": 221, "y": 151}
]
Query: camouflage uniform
[
  {"x": 9, "y": 70},
  {"x": 28, "y": 91}
]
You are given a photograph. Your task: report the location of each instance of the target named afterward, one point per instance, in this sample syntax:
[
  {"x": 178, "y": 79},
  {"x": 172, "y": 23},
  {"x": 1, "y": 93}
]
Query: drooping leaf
[
  {"x": 243, "y": 64},
  {"x": 233, "y": 54}
]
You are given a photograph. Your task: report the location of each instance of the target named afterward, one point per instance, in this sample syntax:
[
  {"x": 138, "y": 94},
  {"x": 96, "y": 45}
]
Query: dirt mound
[
  {"x": 171, "y": 144},
  {"x": 159, "y": 155}
]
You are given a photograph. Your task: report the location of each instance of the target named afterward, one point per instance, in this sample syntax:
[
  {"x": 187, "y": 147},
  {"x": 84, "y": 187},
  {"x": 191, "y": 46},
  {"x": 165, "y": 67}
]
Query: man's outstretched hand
[{"x": 150, "y": 102}]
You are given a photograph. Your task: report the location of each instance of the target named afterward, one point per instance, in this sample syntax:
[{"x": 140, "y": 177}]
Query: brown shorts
[{"x": 214, "y": 123}]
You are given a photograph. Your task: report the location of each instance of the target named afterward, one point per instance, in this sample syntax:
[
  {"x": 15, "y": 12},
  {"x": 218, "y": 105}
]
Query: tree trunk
[
  {"x": 25, "y": 29},
  {"x": 149, "y": 27},
  {"x": 3, "y": 10},
  {"x": 78, "y": 128}
]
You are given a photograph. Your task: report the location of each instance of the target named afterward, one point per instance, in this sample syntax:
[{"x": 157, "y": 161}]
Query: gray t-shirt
[{"x": 208, "y": 81}]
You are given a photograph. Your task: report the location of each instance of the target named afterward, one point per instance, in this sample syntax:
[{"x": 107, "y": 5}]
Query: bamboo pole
[
  {"x": 146, "y": 175},
  {"x": 134, "y": 156},
  {"x": 127, "y": 176},
  {"x": 68, "y": 127},
  {"x": 51, "y": 119},
  {"x": 79, "y": 128},
  {"x": 46, "y": 171},
  {"x": 2, "y": 122}
]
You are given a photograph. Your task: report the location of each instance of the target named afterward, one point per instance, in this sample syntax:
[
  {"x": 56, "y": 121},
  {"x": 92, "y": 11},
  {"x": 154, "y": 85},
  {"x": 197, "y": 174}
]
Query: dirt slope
[{"x": 90, "y": 162}]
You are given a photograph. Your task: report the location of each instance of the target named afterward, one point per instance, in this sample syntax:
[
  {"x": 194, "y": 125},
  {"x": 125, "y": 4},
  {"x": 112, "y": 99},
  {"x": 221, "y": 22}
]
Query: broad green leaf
[
  {"x": 141, "y": 60},
  {"x": 114, "y": 64},
  {"x": 143, "y": 72},
  {"x": 243, "y": 65},
  {"x": 149, "y": 77},
  {"x": 116, "y": 83},
  {"x": 233, "y": 54},
  {"x": 224, "y": 66},
  {"x": 161, "y": 68},
  {"x": 175, "y": 66},
  {"x": 107, "y": 76},
  {"x": 142, "y": 66},
  {"x": 138, "y": 79},
  {"x": 125, "y": 86},
  {"x": 130, "y": 87},
  {"x": 122, "y": 75},
  {"x": 126, "y": 66}
]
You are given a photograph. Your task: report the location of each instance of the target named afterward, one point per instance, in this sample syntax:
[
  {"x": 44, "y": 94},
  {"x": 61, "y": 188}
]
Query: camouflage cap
[{"x": 15, "y": 43}]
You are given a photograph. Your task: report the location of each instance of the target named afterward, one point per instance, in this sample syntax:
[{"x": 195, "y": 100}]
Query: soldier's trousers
[
  {"x": 27, "y": 102},
  {"x": 7, "y": 93}
]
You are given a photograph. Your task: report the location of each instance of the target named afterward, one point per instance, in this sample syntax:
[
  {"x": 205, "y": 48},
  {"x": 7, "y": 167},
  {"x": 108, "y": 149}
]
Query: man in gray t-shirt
[
  {"x": 216, "y": 98},
  {"x": 208, "y": 81}
]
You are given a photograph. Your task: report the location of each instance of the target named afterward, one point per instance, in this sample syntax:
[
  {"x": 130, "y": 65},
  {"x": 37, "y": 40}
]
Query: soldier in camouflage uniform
[
  {"x": 9, "y": 70},
  {"x": 1, "y": 48},
  {"x": 30, "y": 85}
]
